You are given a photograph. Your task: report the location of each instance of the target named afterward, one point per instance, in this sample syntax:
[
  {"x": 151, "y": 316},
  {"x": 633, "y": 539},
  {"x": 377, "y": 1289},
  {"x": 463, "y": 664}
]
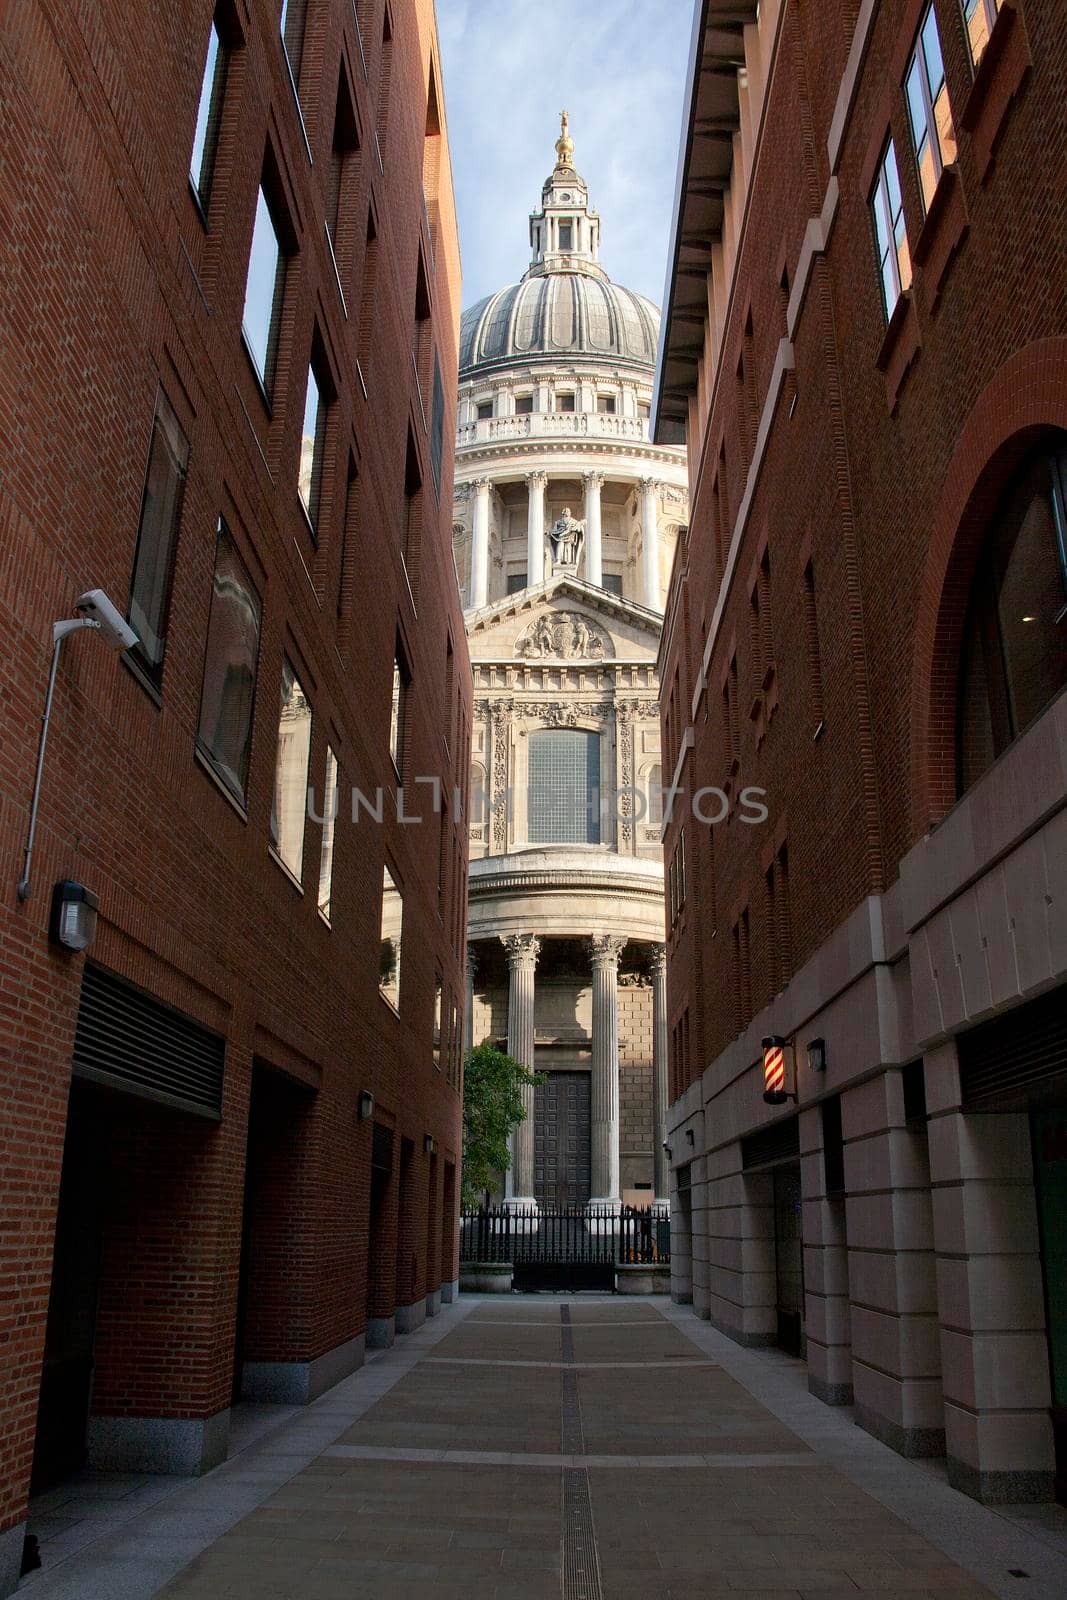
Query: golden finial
[{"x": 564, "y": 144}]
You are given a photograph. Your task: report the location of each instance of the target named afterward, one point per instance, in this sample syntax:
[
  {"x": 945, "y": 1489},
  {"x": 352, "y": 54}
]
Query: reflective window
[
  {"x": 264, "y": 287},
  {"x": 291, "y": 27},
  {"x": 289, "y": 810},
  {"x": 891, "y": 237},
  {"x": 392, "y": 929},
  {"x": 157, "y": 535},
  {"x": 1014, "y": 656},
  {"x": 208, "y": 115},
  {"x": 978, "y": 18},
  {"x": 312, "y": 443},
  {"x": 397, "y": 711},
  {"x": 563, "y": 793},
  {"x": 224, "y": 734},
  {"x": 929, "y": 112},
  {"x": 329, "y": 816}
]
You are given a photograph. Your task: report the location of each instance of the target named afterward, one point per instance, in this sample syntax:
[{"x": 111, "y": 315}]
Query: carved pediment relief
[{"x": 566, "y": 636}]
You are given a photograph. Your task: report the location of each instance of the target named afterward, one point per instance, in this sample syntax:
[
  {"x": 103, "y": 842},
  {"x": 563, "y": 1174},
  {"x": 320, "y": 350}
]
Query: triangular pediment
[{"x": 564, "y": 619}]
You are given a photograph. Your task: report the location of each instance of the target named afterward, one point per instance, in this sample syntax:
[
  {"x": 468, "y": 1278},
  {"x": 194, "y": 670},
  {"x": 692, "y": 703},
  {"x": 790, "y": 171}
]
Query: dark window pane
[
  {"x": 516, "y": 582},
  {"x": 153, "y": 562},
  {"x": 437, "y": 424},
  {"x": 1014, "y": 655},
  {"x": 225, "y": 733}
]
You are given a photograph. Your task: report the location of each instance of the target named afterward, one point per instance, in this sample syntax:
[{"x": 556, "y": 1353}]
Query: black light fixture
[
  {"x": 817, "y": 1055},
  {"x": 366, "y": 1106},
  {"x": 428, "y": 1144},
  {"x": 690, "y": 1136},
  {"x": 73, "y": 920},
  {"x": 667, "y": 1150}
]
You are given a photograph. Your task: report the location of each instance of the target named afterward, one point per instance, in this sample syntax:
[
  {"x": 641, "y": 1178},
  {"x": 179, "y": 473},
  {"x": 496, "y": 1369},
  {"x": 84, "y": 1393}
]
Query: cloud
[{"x": 509, "y": 67}]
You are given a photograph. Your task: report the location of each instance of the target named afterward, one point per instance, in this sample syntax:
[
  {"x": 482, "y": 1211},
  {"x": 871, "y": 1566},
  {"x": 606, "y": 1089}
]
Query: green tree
[{"x": 492, "y": 1105}]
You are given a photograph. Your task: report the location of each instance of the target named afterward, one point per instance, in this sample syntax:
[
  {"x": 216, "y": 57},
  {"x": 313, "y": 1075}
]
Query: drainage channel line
[{"x": 580, "y": 1566}]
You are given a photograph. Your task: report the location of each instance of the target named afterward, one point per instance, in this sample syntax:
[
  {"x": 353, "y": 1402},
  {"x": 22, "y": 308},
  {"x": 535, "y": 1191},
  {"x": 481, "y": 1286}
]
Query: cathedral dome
[
  {"x": 566, "y": 307},
  {"x": 558, "y": 315}
]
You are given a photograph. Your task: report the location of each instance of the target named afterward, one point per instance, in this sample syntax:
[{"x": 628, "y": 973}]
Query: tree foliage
[{"x": 492, "y": 1105}]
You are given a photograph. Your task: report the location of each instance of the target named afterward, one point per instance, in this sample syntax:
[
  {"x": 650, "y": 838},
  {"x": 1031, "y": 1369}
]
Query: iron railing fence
[{"x": 627, "y": 1235}]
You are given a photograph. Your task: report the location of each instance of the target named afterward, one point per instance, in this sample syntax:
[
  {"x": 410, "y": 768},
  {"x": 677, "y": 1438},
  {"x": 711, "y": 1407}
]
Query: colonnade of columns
[
  {"x": 522, "y": 950},
  {"x": 536, "y": 485}
]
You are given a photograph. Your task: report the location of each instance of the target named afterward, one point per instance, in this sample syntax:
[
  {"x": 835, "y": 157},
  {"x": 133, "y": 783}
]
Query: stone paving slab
[{"x": 430, "y": 1479}]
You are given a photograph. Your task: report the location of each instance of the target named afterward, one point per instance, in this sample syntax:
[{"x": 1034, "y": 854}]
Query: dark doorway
[
  {"x": 70, "y": 1335},
  {"x": 1050, "y": 1182},
  {"x": 789, "y": 1259},
  {"x": 562, "y": 1130}
]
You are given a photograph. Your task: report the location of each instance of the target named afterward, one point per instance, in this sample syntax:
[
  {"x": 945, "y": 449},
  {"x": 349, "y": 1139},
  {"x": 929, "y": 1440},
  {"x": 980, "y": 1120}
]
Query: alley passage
[{"x": 583, "y": 1448}]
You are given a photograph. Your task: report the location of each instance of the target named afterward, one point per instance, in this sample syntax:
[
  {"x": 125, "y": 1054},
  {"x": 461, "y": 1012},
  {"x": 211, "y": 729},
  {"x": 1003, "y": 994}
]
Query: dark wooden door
[{"x": 562, "y": 1174}]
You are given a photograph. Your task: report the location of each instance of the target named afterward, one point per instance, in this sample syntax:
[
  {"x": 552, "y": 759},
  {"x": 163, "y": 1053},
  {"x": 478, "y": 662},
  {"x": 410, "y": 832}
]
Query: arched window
[
  {"x": 654, "y": 797},
  {"x": 1013, "y": 659},
  {"x": 563, "y": 787}
]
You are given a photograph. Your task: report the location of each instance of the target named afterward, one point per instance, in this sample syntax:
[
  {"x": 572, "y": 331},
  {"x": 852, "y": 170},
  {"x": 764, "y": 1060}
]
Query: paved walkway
[{"x": 540, "y": 1447}]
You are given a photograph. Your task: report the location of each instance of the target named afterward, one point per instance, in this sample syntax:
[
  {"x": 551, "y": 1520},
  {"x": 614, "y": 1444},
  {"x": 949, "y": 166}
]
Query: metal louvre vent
[
  {"x": 779, "y": 1142},
  {"x": 1015, "y": 1055},
  {"x": 130, "y": 1040}
]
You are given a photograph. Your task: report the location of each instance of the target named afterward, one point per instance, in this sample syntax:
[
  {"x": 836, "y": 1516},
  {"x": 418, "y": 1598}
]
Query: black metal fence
[{"x": 567, "y": 1235}]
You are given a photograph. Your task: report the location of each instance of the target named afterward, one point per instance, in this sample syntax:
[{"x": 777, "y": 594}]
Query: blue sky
[{"x": 509, "y": 67}]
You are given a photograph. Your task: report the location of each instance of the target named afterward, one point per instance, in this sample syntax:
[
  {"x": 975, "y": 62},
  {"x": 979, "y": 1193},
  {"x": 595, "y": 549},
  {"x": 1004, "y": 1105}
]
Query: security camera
[{"x": 114, "y": 629}]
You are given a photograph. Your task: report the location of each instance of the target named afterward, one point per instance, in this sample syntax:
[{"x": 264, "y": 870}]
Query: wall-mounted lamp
[
  {"x": 98, "y": 613},
  {"x": 667, "y": 1150},
  {"x": 690, "y": 1136},
  {"x": 774, "y": 1090},
  {"x": 73, "y": 920},
  {"x": 429, "y": 1144},
  {"x": 365, "y": 1106},
  {"x": 817, "y": 1055}
]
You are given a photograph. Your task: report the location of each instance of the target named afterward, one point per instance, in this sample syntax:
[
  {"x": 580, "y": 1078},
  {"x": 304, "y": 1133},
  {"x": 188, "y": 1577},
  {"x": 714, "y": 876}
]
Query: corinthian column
[
  {"x": 650, "y": 545},
  {"x": 594, "y": 564},
  {"x": 480, "y": 544},
  {"x": 607, "y": 949},
  {"x": 522, "y": 951},
  {"x": 661, "y": 1170},
  {"x": 536, "y": 484}
]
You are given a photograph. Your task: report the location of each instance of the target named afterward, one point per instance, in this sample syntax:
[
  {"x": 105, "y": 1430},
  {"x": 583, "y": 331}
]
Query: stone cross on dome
[{"x": 565, "y": 233}]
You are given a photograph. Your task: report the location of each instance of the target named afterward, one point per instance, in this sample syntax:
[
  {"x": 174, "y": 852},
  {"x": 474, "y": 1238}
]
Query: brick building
[
  {"x": 231, "y": 1127},
  {"x": 865, "y": 345}
]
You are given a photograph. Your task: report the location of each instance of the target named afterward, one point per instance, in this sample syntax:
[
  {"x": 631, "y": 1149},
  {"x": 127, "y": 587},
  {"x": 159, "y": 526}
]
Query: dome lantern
[{"x": 565, "y": 233}]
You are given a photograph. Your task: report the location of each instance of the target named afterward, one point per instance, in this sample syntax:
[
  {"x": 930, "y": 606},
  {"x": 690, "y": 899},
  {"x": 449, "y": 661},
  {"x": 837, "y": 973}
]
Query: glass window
[
  {"x": 397, "y": 713},
  {"x": 263, "y": 290},
  {"x": 485, "y": 410},
  {"x": 438, "y": 995},
  {"x": 929, "y": 112},
  {"x": 437, "y": 424},
  {"x": 312, "y": 442},
  {"x": 564, "y": 402},
  {"x": 566, "y": 235},
  {"x": 208, "y": 115},
  {"x": 224, "y": 734},
  {"x": 891, "y": 235},
  {"x": 392, "y": 929},
  {"x": 613, "y": 582},
  {"x": 289, "y": 810},
  {"x": 1014, "y": 656},
  {"x": 516, "y": 582},
  {"x": 605, "y": 404},
  {"x": 157, "y": 534},
  {"x": 524, "y": 405},
  {"x": 291, "y": 26},
  {"x": 563, "y": 791},
  {"x": 329, "y": 816},
  {"x": 979, "y": 17}
]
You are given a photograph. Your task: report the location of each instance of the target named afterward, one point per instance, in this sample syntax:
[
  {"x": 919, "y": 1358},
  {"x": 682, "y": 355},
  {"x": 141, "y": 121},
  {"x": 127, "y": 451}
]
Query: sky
[{"x": 618, "y": 68}]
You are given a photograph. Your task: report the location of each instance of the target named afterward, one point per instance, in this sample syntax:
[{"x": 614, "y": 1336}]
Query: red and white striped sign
[{"x": 774, "y": 1066}]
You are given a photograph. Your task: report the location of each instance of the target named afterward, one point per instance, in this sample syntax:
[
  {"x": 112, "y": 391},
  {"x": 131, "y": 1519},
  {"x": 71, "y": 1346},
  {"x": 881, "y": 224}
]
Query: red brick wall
[
  {"x": 869, "y": 485},
  {"x": 112, "y": 286}
]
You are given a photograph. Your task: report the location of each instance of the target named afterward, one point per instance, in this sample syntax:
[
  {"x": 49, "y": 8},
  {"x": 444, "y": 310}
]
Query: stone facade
[{"x": 563, "y": 635}]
